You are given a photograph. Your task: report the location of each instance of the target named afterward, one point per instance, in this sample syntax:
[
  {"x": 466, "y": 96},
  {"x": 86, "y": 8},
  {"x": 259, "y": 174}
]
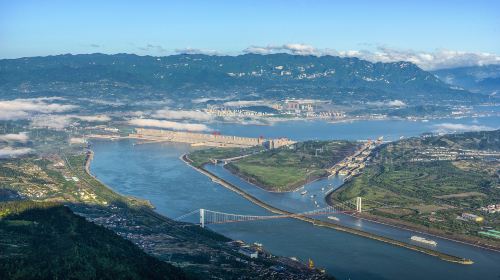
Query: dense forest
[{"x": 48, "y": 241}]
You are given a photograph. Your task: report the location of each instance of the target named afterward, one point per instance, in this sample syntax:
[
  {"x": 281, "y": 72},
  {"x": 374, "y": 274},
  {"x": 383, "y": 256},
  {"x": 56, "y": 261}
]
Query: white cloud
[
  {"x": 427, "y": 60},
  {"x": 21, "y": 137},
  {"x": 244, "y": 103},
  {"x": 457, "y": 127},
  {"x": 298, "y": 49},
  {"x": 390, "y": 103},
  {"x": 103, "y": 102},
  {"x": 151, "y": 47},
  {"x": 206, "y": 99},
  {"x": 95, "y": 118},
  {"x": 24, "y": 108},
  {"x": 168, "y": 125},
  {"x": 196, "y": 51},
  {"x": 437, "y": 59},
  {"x": 148, "y": 103},
  {"x": 57, "y": 122},
  {"x": 9, "y": 152},
  {"x": 182, "y": 115}
]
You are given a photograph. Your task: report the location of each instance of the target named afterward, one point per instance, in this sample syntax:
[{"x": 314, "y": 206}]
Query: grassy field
[
  {"x": 430, "y": 192},
  {"x": 287, "y": 168}
]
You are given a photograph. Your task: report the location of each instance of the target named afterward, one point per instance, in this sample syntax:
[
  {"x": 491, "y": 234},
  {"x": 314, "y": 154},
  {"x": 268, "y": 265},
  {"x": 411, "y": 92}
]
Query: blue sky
[{"x": 29, "y": 28}]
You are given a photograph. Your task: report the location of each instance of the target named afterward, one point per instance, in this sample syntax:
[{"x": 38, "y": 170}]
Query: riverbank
[{"x": 276, "y": 210}]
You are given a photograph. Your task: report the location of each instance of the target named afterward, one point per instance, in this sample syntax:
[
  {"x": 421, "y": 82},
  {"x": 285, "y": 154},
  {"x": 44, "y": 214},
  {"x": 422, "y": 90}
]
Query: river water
[{"x": 155, "y": 172}]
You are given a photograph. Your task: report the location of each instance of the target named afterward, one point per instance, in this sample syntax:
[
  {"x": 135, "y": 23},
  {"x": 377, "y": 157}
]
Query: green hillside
[{"x": 48, "y": 241}]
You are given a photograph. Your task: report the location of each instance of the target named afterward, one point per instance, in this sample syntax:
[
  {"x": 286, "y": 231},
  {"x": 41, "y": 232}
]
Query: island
[{"x": 283, "y": 169}]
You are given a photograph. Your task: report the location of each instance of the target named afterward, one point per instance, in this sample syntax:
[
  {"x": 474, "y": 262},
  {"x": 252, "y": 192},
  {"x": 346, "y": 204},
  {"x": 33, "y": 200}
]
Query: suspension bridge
[{"x": 215, "y": 217}]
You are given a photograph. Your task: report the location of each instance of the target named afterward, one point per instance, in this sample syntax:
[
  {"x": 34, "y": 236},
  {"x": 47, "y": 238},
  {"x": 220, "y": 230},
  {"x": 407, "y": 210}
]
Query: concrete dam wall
[{"x": 204, "y": 139}]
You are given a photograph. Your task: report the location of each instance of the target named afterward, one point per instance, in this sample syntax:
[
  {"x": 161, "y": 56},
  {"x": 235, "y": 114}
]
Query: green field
[{"x": 287, "y": 168}]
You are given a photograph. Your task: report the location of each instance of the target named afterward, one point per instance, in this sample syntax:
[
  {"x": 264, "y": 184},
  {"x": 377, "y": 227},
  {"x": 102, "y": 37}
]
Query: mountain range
[
  {"x": 483, "y": 79},
  {"x": 251, "y": 76}
]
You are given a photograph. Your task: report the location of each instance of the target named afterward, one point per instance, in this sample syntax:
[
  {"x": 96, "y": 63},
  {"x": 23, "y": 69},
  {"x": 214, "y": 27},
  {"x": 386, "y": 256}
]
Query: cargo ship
[{"x": 423, "y": 240}]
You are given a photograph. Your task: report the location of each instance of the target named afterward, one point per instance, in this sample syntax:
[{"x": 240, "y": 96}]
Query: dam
[{"x": 205, "y": 139}]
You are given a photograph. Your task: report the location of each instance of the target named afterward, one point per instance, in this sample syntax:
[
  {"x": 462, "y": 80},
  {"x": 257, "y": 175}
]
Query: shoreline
[{"x": 275, "y": 210}]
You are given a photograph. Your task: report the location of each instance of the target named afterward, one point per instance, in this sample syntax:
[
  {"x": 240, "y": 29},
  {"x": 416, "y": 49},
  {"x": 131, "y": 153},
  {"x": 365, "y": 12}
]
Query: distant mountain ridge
[
  {"x": 250, "y": 75},
  {"x": 484, "y": 79}
]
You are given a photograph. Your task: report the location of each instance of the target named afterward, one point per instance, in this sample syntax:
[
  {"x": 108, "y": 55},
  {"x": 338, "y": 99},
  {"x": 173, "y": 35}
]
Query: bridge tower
[
  {"x": 358, "y": 204},
  {"x": 202, "y": 218}
]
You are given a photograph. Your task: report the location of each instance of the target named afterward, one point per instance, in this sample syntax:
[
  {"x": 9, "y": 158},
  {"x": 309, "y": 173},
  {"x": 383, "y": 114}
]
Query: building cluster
[
  {"x": 353, "y": 165},
  {"x": 447, "y": 154},
  {"x": 491, "y": 209},
  {"x": 227, "y": 112},
  {"x": 308, "y": 108},
  {"x": 299, "y": 106}
]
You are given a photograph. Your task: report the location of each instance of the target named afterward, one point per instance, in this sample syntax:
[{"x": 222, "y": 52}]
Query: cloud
[
  {"x": 148, "y": 103},
  {"x": 298, "y": 49},
  {"x": 103, "y": 102},
  {"x": 457, "y": 127},
  {"x": 244, "y": 103},
  {"x": 197, "y": 51},
  {"x": 9, "y": 152},
  {"x": 437, "y": 59},
  {"x": 95, "y": 45},
  {"x": 57, "y": 122},
  {"x": 430, "y": 60},
  {"x": 21, "y": 137},
  {"x": 390, "y": 103},
  {"x": 181, "y": 115},
  {"x": 155, "y": 48},
  {"x": 168, "y": 125},
  {"x": 95, "y": 118},
  {"x": 24, "y": 108},
  {"x": 206, "y": 99}
]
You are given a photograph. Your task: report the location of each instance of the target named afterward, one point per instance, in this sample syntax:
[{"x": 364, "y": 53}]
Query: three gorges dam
[{"x": 204, "y": 139}]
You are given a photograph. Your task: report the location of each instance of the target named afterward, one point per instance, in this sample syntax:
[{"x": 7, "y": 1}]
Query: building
[
  {"x": 253, "y": 254},
  {"x": 490, "y": 209},
  {"x": 472, "y": 217}
]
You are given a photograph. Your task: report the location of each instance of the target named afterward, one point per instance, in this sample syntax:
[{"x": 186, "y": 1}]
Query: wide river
[{"x": 155, "y": 172}]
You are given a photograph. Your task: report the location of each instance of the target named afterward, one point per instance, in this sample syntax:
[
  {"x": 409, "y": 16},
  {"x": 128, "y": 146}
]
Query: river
[{"x": 155, "y": 172}]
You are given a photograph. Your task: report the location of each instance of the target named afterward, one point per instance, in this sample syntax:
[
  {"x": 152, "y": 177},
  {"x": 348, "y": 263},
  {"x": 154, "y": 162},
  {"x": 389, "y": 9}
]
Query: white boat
[
  {"x": 423, "y": 240},
  {"x": 333, "y": 218},
  {"x": 303, "y": 193},
  {"x": 323, "y": 188}
]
